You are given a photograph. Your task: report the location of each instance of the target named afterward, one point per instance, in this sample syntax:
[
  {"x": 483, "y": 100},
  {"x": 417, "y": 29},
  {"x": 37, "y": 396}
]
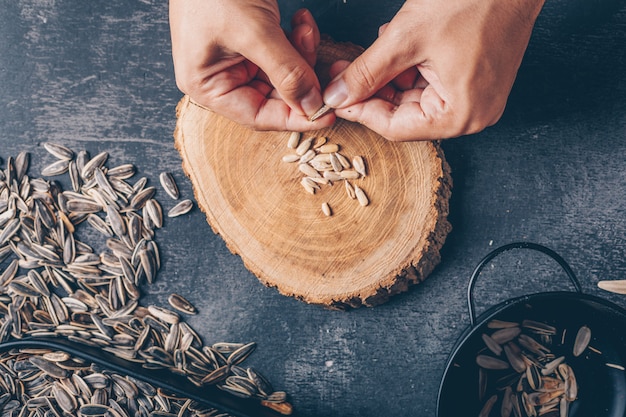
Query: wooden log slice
[{"x": 358, "y": 255}]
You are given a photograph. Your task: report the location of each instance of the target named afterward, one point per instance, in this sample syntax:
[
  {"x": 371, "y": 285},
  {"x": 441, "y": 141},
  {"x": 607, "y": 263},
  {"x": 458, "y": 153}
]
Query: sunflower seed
[
  {"x": 122, "y": 172},
  {"x": 361, "y": 196},
  {"x": 489, "y": 362},
  {"x": 56, "y": 168},
  {"x": 181, "y": 208},
  {"x": 332, "y": 176},
  {"x": 486, "y": 410},
  {"x": 491, "y": 344},
  {"x": 140, "y": 199},
  {"x": 551, "y": 366},
  {"x": 49, "y": 368},
  {"x": 505, "y": 334},
  {"x": 294, "y": 138},
  {"x": 155, "y": 212},
  {"x": 180, "y": 303},
  {"x": 83, "y": 206},
  {"x": 118, "y": 225},
  {"x": 169, "y": 185},
  {"x": 329, "y": 148},
  {"x": 308, "y": 155},
  {"x": 24, "y": 289},
  {"x": 60, "y": 151},
  {"x": 539, "y": 327},
  {"x": 11, "y": 228},
  {"x": 21, "y": 166},
  {"x": 326, "y": 209},
  {"x": 583, "y": 337},
  {"x": 359, "y": 165},
  {"x": 37, "y": 225},
  {"x": 514, "y": 355},
  {"x": 321, "y": 112},
  {"x": 164, "y": 314},
  {"x": 304, "y": 146},
  {"x": 104, "y": 184},
  {"x": 291, "y": 158},
  {"x": 95, "y": 162},
  {"x": 334, "y": 162},
  {"x": 309, "y": 171}
]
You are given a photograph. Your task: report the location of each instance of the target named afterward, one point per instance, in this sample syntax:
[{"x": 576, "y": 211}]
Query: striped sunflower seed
[
  {"x": 59, "y": 151},
  {"x": 180, "y": 303},
  {"x": 169, "y": 185},
  {"x": 181, "y": 208}
]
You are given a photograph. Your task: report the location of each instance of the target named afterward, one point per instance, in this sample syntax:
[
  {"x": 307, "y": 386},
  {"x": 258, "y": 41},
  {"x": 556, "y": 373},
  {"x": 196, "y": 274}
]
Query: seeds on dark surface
[
  {"x": 59, "y": 151},
  {"x": 169, "y": 185},
  {"x": 140, "y": 199},
  {"x": 181, "y": 208},
  {"x": 90, "y": 166},
  {"x": 122, "y": 172},
  {"x": 180, "y": 303},
  {"x": 56, "y": 168},
  {"x": 59, "y": 286}
]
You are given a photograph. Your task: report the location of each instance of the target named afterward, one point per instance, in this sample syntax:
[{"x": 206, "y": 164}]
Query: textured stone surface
[{"x": 98, "y": 75}]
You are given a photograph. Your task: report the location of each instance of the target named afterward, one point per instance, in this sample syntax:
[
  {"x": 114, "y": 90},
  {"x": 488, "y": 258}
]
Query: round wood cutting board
[{"x": 360, "y": 255}]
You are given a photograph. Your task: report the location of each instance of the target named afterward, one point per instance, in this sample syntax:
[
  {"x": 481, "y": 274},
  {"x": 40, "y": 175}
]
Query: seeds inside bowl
[{"x": 519, "y": 369}]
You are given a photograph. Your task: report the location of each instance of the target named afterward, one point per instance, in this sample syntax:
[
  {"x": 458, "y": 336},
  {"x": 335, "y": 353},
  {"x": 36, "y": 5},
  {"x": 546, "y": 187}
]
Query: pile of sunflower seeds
[
  {"x": 539, "y": 384},
  {"x": 52, "y": 284},
  {"x": 38, "y": 382},
  {"x": 321, "y": 163}
]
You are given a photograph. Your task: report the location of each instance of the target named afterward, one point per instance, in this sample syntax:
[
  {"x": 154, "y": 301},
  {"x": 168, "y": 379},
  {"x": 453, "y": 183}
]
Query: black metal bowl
[{"x": 601, "y": 387}]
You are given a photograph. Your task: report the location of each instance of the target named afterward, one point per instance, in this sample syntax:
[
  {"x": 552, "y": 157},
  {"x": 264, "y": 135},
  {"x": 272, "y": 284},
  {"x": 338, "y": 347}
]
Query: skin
[
  {"x": 437, "y": 70},
  {"x": 232, "y": 57}
]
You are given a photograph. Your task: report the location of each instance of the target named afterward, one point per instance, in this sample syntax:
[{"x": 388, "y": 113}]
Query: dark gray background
[{"x": 98, "y": 75}]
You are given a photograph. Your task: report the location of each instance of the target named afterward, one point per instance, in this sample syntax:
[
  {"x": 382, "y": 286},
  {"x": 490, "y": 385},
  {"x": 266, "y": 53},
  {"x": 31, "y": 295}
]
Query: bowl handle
[{"x": 516, "y": 245}]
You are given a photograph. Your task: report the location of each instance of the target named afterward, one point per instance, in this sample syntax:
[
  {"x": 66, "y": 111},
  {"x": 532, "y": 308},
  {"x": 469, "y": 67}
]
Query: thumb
[
  {"x": 289, "y": 73},
  {"x": 378, "y": 65}
]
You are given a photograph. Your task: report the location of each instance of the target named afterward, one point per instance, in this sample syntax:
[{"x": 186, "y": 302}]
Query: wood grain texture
[{"x": 359, "y": 255}]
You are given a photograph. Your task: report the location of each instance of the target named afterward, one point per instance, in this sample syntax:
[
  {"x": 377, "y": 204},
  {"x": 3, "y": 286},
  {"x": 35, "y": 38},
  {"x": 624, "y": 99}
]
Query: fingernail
[
  {"x": 308, "y": 41},
  {"x": 311, "y": 102},
  {"x": 336, "y": 93}
]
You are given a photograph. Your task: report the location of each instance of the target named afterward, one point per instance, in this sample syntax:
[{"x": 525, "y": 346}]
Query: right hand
[
  {"x": 233, "y": 58},
  {"x": 439, "y": 69}
]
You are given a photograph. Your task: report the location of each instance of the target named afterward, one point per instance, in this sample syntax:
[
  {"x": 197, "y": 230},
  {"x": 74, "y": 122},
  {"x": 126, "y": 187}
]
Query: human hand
[
  {"x": 437, "y": 70},
  {"x": 233, "y": 58}
]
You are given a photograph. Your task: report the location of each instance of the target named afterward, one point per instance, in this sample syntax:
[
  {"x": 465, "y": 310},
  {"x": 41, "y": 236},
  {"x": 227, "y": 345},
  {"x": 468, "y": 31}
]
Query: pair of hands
[{"x": 437, "y": 70}]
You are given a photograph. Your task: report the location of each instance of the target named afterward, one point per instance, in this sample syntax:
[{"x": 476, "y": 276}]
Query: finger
[
  {"x": 305, "y": 35},
  {"x": 238, "y": 95},
  {"x": 377, "y": 66},
  {"x": 337, "y": 67},
  {"x": 302, "y": 38},
  {"x": 382, "y": 28},
  {"x": 248, "y": 105},
  {"x": 421, "y": 115},
  {"x": 310, "y": 44},
  {"x": 288, "y": 71},
  {"x": 407, "y": 79}
]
